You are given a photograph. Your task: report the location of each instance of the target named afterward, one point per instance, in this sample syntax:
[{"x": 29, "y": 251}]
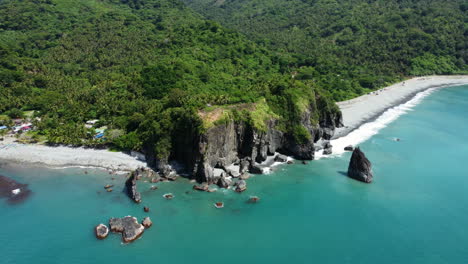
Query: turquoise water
[{"x": 415, "y": 211}]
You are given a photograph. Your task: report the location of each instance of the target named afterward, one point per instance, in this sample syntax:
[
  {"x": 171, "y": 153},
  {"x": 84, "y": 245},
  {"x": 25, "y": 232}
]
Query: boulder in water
[
  {"x": 15, "y": 192},
  {"x": 360, "y": 168},
  {"x": 101, "y": 231},
  {"x": 349, "y": 148},
  {"x": 147, "y": 223}
]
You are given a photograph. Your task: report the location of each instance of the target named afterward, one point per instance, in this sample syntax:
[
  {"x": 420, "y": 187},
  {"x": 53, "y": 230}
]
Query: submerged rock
[
  {"x": 360, "y": 168},
  {"x": 101, "y": 231},
  {"x": 14, "y": 191},
  {"x": 201, "y": 187},
  {"x": 131, "y": 188},
  {"x": 146, "y": 209},
  {"x": 147, "y": 223},
  {"x": 241, "y": 186},
  {"x": 128, "y": 226}
]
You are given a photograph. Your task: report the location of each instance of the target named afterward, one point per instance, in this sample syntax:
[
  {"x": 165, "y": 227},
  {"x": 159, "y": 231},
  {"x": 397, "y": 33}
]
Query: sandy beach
[
  {"x": 66, "y": 156},
  {"x": 365, "y": 108}
]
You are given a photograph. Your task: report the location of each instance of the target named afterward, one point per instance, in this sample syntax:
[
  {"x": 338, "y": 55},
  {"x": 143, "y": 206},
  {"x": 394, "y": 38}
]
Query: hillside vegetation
[
  {"x": 144, "y": 68},
  {"x": 351, "y": 46}
]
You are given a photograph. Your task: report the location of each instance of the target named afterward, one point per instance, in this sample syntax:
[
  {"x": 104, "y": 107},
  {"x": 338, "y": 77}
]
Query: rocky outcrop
[
  {"x": 128, "y": 226},
  {"x": 101, "y": 231},
  {"x": 131, "y": 188},
  {"x": 235, "y": 141},
  {"x": 360, "y": 167}
]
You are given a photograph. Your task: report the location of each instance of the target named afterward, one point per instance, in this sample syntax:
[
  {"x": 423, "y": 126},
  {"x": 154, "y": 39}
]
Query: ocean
[{"x": 415, "y": 211}]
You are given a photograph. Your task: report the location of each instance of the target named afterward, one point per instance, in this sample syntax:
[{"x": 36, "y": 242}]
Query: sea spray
[{"x": 367, "y": 130}]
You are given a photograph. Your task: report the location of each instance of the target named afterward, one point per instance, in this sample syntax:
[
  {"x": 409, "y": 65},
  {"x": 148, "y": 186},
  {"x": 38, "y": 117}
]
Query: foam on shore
[{"x": 367, "y": 130}]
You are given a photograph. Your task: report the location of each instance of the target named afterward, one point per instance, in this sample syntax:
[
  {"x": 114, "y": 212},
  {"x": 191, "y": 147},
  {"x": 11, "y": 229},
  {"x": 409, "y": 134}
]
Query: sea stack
[
  {"x": 131, "y": 185},
  {"x": 360, "y": 168}
]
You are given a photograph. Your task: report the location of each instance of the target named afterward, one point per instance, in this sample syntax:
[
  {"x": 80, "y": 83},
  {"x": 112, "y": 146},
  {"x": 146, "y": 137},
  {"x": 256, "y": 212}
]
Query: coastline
[
  {"x": 363, "y": 109},
  {"x": 64, "y": 157},
  {"x": 356, "y": 112}
]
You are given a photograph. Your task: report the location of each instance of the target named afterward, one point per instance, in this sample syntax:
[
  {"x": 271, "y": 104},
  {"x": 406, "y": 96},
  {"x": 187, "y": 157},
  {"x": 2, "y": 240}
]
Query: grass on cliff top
[{"x": 257, "y": 114}]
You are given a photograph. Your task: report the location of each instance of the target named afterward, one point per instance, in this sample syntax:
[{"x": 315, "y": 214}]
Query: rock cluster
[
  {"x": 128, "y": 226},
  {"x": 360, "y": 168},
  {"x": 327, "y": 148}
]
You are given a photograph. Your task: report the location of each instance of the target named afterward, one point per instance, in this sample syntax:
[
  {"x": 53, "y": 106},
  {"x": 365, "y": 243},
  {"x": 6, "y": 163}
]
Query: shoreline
[
  {"x": 366, "y": 108},
  {"x": 67, "y": 157},
  {"x": 356, "y": 113}
]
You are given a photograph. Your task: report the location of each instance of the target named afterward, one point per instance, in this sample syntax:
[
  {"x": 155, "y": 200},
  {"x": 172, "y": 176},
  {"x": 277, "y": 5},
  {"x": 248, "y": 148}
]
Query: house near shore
[
  {"x": 23, "y": 127},
  {"x": 3, "y": 127}
]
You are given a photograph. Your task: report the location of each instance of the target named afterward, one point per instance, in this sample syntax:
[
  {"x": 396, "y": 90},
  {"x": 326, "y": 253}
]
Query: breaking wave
[{"x": 367, "y": 130}]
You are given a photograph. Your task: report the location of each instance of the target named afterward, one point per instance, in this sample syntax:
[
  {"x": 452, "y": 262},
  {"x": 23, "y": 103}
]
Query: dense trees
[
  {"x": 351, "y": 46},
  {"x": 142, "y": 67}
]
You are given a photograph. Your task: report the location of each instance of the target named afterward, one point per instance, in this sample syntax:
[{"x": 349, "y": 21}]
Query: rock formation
[
  {"x": 101, "y": 231},
  {"x": 360, "y": 167},
  {"x": 131, "y": 188},
  {"x": 128, "y": 226},
  {"x": 237, "y": 142}
]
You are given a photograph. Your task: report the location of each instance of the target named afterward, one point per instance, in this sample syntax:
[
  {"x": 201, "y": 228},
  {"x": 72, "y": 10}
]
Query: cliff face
[{"x": 234, "y": 141}]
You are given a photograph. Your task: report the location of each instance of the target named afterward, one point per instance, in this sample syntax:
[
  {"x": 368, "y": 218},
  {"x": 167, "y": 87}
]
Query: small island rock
[
  {"x": 102, "y": 231},
  {"x": 128, "y": 226},
  {"x": 360, "y": 168}
]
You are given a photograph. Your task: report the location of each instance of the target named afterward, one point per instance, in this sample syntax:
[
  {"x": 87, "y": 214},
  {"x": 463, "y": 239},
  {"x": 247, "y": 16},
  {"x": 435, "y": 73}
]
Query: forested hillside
[
  {"x": 347, "y": 45},
  {"x": 144, "y": 68}
]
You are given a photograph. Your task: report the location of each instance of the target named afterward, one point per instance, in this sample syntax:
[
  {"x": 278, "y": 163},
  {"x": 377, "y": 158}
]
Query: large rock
[
  {"x": 101, "y": 231},
  {"x": 360, "y": 167},
  {"x": 131, "y": 188},
  {"x": 128, "y": 226},
  {"x": 241, "y": 186}
]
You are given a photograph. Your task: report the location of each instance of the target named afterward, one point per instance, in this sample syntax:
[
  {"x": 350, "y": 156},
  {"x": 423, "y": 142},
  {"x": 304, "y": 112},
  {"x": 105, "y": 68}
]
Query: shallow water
[{"x": 415, "y": 211}]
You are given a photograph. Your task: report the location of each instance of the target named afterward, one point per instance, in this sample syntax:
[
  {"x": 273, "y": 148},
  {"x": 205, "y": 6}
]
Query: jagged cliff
[{"x": 239, "y": 142}]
